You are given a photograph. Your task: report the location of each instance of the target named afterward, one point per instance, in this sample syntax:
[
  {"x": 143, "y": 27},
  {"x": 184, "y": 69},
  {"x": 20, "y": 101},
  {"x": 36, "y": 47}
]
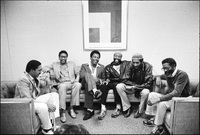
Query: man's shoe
[
  {"x": 63, "y": 116},
  {"x": 97, "y": 94},
  {"x": 137, "y": 114},
  {"x": 72, "y": 113},
  {"x": 50, "y": 132},
  {"x": 88, "y": 115},
  {"x": 128, "y": 112},
  {"x": 157, "y": 130},
  {"x": 102, "y": 114},
  {"x": 116, "y": 113},
  {"x": 149, "y": 123}
]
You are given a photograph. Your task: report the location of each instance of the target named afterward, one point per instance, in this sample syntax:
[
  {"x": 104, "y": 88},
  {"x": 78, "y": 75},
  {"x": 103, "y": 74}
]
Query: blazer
[
  {"x": 86, "y": 69},
  {"x": 26, "y": 87},
  {"x": 54, "y": 68}
]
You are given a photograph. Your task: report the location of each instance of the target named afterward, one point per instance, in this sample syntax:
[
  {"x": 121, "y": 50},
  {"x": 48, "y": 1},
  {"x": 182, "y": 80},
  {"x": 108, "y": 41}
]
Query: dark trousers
[{"x": 104, "y": 89}]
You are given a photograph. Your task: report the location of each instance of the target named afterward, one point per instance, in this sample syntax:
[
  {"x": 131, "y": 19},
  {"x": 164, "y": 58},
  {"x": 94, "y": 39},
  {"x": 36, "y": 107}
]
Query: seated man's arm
[{"x": 178, "y": 88}]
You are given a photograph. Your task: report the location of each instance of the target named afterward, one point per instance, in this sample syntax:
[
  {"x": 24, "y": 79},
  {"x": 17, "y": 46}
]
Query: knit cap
[{"x": 137, "y": 56}]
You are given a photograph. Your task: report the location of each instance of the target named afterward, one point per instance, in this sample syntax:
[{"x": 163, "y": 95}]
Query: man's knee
[
  {"x": 120, "y": 87},
  {"x": 161, "y": 105},
  {"x": 55, "y": 95},
  {"x": 77, "y": 85},
  {"x": 62, "y": 86},
  {"x": 145, "y": 92}
]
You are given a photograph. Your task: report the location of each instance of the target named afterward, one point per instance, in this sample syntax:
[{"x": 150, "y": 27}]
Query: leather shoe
[
  {"x": 97, "y": 94},
  {"x": 63, "y": 117},
  {"x": 137, "y": 114},
  {"x": 72, "y": 113},
  {"x": 116, "y": 113},
  {"x": 128, "y": 112},
  {"x": 102, "y": 115},
  {"x": 88, "y": 115},
  {"x": 149, "y": 123}
]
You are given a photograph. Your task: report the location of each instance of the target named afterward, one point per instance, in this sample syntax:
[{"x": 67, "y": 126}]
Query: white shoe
[{"x": 50, "y": 132}]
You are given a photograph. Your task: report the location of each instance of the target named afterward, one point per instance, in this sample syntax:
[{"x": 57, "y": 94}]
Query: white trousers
[
  {"x": 62, "y": 90},
  {"x": 121, "y": 89},
  {"x": 159, "y": 109},
  {"x": 42, "y": 110}
]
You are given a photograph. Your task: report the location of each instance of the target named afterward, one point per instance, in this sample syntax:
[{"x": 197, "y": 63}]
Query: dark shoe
[
  {"x": 157, "y": 130},
  {"x": 116, "y": 113},
  {"x": 88, "y": 115},
  {"x": 72, "y": 113},
  {"x": 128, "y": 112},
  {"x": 97, "y": 94},
  {"x": 102, "y": 114},
  {"x": 63, "y": 116},
  {"x": 149, "y": 123},
  {"x": 137, "y": 114},
  {"x": 45, "y": 132}
]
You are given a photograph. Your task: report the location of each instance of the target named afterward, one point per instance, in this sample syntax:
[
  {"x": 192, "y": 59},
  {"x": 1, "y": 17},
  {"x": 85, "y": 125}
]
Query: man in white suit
[{"x": 28, "y": 87}]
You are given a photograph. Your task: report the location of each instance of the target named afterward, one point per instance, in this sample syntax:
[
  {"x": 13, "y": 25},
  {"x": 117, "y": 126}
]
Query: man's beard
[
  {"x": 117, "y": 61},
  {"x": 169, "y": 72}
]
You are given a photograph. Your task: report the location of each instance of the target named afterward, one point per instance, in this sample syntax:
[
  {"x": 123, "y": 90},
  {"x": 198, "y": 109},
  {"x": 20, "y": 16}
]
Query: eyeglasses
[
  {"x": 63, "y": 56},
  {"x": 166, "y": 68}
]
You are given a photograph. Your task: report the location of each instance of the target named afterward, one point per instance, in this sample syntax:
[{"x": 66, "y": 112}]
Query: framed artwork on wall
[{"x": 105, "y": 24}]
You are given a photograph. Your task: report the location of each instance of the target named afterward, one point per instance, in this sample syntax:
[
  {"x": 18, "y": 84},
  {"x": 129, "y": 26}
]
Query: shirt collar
[
  {"x": 174, "y": 73},
  {"x": 98, "y": 65}
]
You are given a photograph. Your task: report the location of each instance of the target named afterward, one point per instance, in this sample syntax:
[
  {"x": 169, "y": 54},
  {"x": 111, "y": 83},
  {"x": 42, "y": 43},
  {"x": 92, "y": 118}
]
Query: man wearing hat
[{"x": 140, "y": 82}]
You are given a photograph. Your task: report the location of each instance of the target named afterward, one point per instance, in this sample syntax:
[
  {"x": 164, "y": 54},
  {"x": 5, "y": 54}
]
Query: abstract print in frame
[{"x": 105, "y": 24}]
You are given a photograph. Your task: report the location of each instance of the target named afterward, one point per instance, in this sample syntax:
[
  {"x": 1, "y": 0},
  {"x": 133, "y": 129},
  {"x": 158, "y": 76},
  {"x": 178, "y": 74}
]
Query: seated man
[
  {"x": 65, "y": 74},
  {"x": 115, "y": 73},
  {"x": 140, "y": 83},
  {"x": 175, "y": 83},
  {"x": 92, "y": 77},
  {"x": 28, "y": 87}
]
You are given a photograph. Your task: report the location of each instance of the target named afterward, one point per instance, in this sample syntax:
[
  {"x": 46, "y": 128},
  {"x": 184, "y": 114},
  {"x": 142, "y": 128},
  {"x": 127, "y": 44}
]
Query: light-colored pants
[
  {"x": 62, "y": 90},
  {"x": 121, "y": 89},
  {"x": 159, "y": 109},
  {"x": 42, "y": 110}
]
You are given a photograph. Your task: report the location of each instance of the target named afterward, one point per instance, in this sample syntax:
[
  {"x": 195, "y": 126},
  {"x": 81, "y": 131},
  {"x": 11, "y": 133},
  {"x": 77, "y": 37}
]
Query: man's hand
[
  {"x": 153, "y": 101},
  {"x": 51, "y": 107}
]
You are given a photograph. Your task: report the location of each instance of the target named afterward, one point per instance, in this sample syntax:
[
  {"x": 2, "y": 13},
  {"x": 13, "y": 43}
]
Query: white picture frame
[{"x": 105, "y": 24}]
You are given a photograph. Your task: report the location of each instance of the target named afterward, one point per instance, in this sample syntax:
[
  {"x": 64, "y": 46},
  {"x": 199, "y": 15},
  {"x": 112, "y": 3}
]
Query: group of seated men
[{"x": 122, "y": 76}]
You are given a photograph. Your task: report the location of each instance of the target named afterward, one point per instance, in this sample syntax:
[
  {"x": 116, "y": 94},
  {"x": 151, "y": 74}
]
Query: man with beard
[
  {"x": 92, "y": 78},
  {"x": 140, "y": 83},
  {"x": 65, "y": 74},
  {"x": 173, "y": 83},
  {"x": 115, "y": 73}
]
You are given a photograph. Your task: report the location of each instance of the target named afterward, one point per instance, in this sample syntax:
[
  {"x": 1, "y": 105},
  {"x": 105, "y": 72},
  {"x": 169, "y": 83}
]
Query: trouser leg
[
  {"x": 124, "y": 99},
  {"x": 52, "y": 98},
  {"x": 88, "y": 98},
  {"x": 42, "y": 110},
  {"x": 76, "y": 87},
  {"x": 62, "y": 88},
  {"x": 104, "y": 89},
  {"x": 151, "y": 110},
  {"x": 144, "y": 95},
  {"x": 162, "y": 108}
]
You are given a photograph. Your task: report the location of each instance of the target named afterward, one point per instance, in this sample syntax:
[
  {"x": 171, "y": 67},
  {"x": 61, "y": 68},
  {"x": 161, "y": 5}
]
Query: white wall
[{"x": 40, "y": 29}]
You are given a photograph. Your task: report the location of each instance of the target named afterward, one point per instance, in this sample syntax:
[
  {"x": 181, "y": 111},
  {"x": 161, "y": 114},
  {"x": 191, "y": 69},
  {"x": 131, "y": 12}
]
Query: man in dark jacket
[
  {"x": 115, "y": 73},
  {"x": 140, "y": 83}
]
